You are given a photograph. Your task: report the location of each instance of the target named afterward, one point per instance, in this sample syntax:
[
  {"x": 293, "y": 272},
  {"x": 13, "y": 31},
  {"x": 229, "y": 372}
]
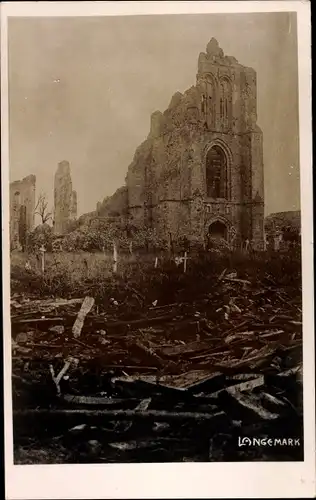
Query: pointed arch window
[
  {"x": 16, "y": 200},
  {"x": 216, "y": 173},
  {"x": 209, "y": 100},
  {"x": 225, "y": 102}
]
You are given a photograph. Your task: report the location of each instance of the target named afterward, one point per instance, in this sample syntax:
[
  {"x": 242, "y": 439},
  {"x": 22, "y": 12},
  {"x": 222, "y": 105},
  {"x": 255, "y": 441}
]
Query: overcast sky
[{"x": 83, "y": 89}]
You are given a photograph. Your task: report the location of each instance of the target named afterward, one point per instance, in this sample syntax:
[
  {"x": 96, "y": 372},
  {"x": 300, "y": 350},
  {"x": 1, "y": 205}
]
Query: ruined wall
[
  {"x": 283, "y": 229},
  {"x": 65, "y": 199},
  {"x": 22, "y": 207},
  {"x": 114, "y": 205},
  {"x": 73, "y": 205},
  {"x": 167, "y": 180}
]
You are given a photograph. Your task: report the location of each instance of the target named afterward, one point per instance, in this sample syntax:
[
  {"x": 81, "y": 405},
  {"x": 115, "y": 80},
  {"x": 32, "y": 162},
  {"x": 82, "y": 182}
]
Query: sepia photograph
[{"x": 155, "y": 237}]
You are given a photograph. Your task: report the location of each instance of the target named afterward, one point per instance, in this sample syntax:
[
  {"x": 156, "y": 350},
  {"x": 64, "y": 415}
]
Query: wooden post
[
  {"x": 156, "y": 263},
  {"x": 43, "y": 250},
  {"x": 131, "y": 248},
  {"x": 265, "y": 243},
  {"x": 114, "y": 257},
  {"x": 171, "y": 245},
  {"x": 185, "y": 258}
]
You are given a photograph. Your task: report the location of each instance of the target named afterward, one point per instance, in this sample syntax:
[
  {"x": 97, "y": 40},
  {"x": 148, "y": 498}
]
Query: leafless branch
[{"x": 41, "y": 208}]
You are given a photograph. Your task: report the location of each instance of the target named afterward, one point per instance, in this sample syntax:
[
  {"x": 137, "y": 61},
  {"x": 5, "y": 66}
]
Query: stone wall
[
  {"x": 114, "y": 205},
  {"x": 22, "y": 208},
  {"x": 73, "y": 205},
  {"x": 65, "y": 199}
]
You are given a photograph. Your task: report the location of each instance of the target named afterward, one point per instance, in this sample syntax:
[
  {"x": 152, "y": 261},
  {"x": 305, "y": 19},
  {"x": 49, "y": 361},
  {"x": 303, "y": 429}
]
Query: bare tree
[{"x": 42, "y": 210}]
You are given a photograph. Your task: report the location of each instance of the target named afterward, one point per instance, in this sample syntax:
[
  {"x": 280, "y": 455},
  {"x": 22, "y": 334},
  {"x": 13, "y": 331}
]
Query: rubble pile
[{"x": 182, "y": 381}]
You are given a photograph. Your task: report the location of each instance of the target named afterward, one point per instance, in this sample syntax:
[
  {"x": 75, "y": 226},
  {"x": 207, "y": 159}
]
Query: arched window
[
  {"x": 16, "y": 200},
  {"x": 225, "y": 102},
  {"x": 209, "y": 100},
  {"x": 221, "y": 102},
  {"x": 216, "y": 173}
]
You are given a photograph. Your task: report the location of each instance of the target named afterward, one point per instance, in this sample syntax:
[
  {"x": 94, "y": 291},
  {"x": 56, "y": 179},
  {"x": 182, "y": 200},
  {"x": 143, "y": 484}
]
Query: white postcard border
[{"x": 186, "y": 480}]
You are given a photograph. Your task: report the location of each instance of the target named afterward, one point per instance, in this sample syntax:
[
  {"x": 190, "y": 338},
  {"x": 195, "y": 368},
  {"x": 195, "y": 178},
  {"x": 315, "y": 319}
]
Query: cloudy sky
[{"x": 83, "y": 89}]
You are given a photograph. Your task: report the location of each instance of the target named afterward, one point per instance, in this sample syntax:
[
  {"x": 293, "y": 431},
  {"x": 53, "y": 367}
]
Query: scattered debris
[
  {"x": 59, "y": 329},
  {"x": 176, "y": 380}
]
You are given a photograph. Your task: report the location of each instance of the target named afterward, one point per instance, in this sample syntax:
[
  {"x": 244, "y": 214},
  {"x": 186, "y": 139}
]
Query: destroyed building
[
  {"x": 283, "y": 230},
  {"x": 65, "y": 199},
  {"x": 22, "y": 208},
  {"x": 199, "y": 173}
]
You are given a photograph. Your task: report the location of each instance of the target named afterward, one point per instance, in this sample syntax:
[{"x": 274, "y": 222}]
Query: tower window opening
[{"x": 216, "y": 173}]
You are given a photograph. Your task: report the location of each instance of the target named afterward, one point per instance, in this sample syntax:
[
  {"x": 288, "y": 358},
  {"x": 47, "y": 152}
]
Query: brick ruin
[
  {"x": 199, "y": 173},
  {"x": 22, "y": 207},
  {"x": 65, "y": 199}
]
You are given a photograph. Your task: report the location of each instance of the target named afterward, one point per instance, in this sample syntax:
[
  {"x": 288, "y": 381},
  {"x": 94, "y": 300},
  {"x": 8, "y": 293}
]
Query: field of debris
[{"x": 154, "y": 364}]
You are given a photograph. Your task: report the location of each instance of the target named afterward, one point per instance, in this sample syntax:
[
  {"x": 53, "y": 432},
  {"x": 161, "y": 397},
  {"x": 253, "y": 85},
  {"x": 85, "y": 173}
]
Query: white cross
[
  {"x": 185, "y": 258},
  {"x": 43, "y": 250},
  {"x": 179, "y": 260}
]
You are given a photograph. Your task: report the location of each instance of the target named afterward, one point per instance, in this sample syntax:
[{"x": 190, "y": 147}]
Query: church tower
[{"x": 199, "y": 173}]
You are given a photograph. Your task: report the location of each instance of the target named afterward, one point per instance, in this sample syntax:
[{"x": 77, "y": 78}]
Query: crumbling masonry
[
  {"x": 65, "y": 199},
  {"x": 200, "y": 171},
  {"x": 22, "y": 207}
]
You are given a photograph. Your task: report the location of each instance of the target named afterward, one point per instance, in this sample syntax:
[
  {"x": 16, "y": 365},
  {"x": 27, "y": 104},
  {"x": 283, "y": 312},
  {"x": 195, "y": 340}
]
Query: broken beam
[{"x": 155, "y": 415}]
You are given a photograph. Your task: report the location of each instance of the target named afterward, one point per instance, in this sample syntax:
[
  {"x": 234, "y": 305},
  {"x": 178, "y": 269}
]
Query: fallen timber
[
  {"x": 211, "y": 369},
  {"x": 155, "y": 415}
]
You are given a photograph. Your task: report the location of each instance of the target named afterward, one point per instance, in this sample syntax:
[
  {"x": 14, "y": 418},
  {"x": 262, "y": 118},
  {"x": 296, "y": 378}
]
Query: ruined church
[{"x": 199, "y": 173}]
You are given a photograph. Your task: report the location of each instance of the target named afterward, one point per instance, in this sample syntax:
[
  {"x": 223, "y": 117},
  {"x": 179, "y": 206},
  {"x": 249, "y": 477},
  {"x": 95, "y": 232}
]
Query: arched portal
[
  {"x": 218, "y": 230},
  {"x": 216, "y": 173}
]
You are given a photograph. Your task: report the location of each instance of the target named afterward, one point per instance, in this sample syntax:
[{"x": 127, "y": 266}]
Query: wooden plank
[
  {"x": 94, "y": 400},
  {"x": 184, "y": 382},
  {"x": 249, "y": 385},
  {"x": 192, "y": 347},
  {"x": 86, "y": 307},
  {"x": 37, "y": 320},
  {"x": 252, "y": 404},
  {"x": 148, "y": 352},
  {"x": 155, "y": 415},
  {"x": 152, "y": 442}
]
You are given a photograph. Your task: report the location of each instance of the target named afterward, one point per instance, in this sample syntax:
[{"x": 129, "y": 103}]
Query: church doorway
[{"x": 218, "y": 230}]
